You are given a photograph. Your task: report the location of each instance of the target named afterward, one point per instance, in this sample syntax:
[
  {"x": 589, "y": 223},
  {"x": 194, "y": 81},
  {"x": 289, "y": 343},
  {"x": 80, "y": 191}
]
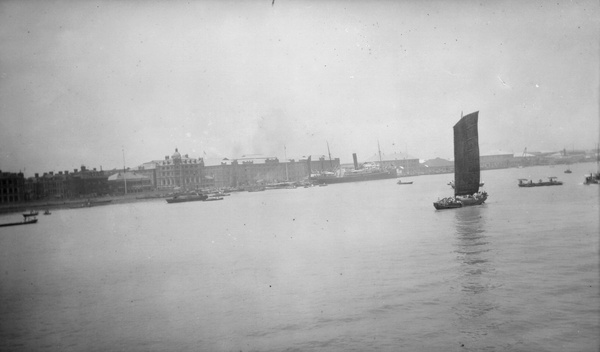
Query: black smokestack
[{"x": 355, "y": 161}]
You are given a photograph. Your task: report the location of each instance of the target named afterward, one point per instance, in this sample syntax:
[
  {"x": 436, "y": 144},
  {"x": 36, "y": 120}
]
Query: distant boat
[
  {"x": 552, "y": 181},
  {"x": 47, "y": 212},
  {"x": 594, "y": 178},
  {"x": 404, "y": 183},
  {"x": 28, "y": 218},
  {"x": 368, "y": 172},
  {"x": 212, "y": 198},
  {"x": 90, "y": 203},
  {"x": 192, "y": 197},
  {"x": 281, "y": 185},
  {"x": 256, "y": 188},
  {"x": 568, "y": 171},
  {"x": 356, "y": 176},
  {"x": 466, "y": 166}
]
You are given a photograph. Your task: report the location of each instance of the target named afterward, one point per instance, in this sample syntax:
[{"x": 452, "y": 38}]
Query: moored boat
[
  {"x": 466, "y": 166},
  {"x": 367, "y": 175},
  {"x": 90, "y": 203},
  {"x": 212, "y": 198},
  {"x": 256, "y": 188},
  {"x": 404, "y": 183},
  {"x": 181, "y": 198},
  {"x": 368, "y": 172}
]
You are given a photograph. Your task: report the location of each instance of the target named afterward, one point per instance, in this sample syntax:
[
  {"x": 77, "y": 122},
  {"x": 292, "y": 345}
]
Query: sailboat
[{"x": 466, "y": 166}]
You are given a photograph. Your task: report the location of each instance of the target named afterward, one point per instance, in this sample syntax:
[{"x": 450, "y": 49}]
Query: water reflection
[{"x": 475, "y": 275}]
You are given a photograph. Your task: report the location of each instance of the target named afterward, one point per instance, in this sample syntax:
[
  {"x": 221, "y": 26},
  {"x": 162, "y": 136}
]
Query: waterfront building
[
  {"x": 438, "y": 166},
  {"x": 49, "y": 186},
  {"x": 496, "y": 160},
  {"x": 249, "y": 170},
  {"x": 12, "y": 188},
  {"x": 320, "y": 164},
  {"x": 404, "y": 163},
  {"x": 149, "y": 169},
  {"x": 64, "y": 185},
  {"x": 129, "y": 182},
  {"x": 180, "y": 171},
  {"x": 87, "y": 183}
]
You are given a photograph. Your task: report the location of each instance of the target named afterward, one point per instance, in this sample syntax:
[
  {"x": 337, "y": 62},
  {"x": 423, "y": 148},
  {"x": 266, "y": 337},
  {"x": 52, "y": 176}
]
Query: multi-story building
[
  {"x": 87, "y": 183},
  {"x": 404, "y": 163},
  {"x": 499, "y": 160},
  {"x": 438, "y": 166},
  {"x": 64, "y": 185},
  {"x": 129, "y": 182},
  {"x": 148, "y": 169},
  {"x": 252, "y": 170},
  {"x": 12, "y": 188},
  {"x": 320, "y": 164},
  {"x": 181, "y": 172}
]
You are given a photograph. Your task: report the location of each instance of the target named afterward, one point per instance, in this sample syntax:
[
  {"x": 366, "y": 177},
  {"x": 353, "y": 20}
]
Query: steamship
[{"x": 368, "y": 172}]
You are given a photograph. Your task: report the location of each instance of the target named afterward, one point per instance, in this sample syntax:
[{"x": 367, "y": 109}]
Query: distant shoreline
[{"x": 42, "y": 205}]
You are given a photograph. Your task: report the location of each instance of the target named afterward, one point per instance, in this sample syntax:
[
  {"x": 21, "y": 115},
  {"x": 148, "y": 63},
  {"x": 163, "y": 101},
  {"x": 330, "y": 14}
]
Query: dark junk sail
[
  {"x": 466, "y": 155},
  {"x": 466, "y": 166}
]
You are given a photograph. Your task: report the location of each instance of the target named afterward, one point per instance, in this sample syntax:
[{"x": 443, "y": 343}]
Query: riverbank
[{"x": 42, "y": 205}]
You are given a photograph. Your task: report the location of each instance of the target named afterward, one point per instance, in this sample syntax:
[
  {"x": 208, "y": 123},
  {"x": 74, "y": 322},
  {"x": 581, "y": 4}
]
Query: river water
[{"x": 351, "y": 267}]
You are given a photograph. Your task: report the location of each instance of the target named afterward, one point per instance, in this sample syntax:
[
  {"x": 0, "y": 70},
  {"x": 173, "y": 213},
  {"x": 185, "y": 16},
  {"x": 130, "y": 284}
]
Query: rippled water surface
[{"x": 352, "y": 267}]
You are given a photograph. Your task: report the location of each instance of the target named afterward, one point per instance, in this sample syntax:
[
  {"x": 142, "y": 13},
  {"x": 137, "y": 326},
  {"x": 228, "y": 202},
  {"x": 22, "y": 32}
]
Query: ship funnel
[{"x": 355, "y": 161}]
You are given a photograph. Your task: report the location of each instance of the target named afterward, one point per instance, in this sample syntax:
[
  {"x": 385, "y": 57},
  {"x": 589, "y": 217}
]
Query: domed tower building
[{"x": 180, "y": 172}]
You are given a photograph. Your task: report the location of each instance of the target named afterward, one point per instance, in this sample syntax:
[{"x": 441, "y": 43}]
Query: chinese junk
[{"x": 466, "y": 166}]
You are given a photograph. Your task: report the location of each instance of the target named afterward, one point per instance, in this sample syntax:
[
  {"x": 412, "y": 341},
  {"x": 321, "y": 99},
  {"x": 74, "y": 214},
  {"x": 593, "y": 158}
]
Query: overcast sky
[{"x": 83, "y": 81}]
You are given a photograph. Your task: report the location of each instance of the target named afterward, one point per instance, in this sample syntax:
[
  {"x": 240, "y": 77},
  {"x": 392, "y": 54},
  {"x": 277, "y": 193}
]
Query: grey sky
[{"x": 81, "y": 80}]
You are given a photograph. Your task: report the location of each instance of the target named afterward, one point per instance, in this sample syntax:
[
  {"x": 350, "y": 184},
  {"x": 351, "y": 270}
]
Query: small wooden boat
[
  {"x": 212, "y": 198},
  {"x": 47, "y": 212},
  {"x": 404, "y": 183}
]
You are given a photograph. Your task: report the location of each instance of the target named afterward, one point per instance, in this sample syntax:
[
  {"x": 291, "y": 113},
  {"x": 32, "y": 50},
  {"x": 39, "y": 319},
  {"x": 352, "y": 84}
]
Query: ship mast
[
  {"x": 124, "y": 171},
  {"x": 328, "y": 152},
  {"x": 379, "y": 149},
  {"x": 286, "y": 162}
]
